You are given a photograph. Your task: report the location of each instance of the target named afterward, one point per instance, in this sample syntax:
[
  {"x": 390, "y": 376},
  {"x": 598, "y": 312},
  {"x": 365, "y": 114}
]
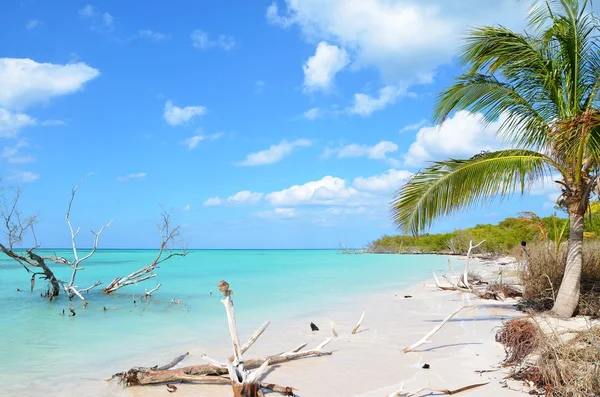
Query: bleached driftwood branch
[
  {"x": 359, "y": 323},
  {"x": 333, "y": 329},
  {"x": 425, "y": 339},
  {"x": 405, "y": 393},
  {"x": 168, "y": 236},
  {"x": 465, "y": 278},
  {"x": 244, "y": 382}
]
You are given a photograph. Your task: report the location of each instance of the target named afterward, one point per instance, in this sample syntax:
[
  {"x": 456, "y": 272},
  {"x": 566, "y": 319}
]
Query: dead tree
[
  {"x": 169, "y": 236},
  {"x": 16, "y": 227},
  {"x": 70, "y": 288},
  {"x": 243, "y": 382}
]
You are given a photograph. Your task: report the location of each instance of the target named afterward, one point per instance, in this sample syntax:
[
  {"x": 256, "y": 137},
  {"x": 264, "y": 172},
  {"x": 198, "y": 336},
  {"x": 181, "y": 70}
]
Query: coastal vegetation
[{"x": 542, "y": 86}]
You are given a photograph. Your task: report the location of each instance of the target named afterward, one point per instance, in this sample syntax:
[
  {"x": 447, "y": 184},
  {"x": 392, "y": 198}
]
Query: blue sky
[{"x": 257, "y": 124}]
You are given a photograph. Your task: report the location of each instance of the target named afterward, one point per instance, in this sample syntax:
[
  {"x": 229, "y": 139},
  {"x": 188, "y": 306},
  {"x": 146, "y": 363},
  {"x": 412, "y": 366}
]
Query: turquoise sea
[{"x": 38, "y": 342}]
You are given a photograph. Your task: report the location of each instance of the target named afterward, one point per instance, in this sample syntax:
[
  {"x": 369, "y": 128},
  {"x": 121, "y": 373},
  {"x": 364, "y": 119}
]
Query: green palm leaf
[{"x": 449, "y": 186}]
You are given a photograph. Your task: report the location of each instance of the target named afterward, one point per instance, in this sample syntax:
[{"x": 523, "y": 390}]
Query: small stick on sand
[
  {"x": 425, "y": 339},
  {"x": 359, "y": 322}
]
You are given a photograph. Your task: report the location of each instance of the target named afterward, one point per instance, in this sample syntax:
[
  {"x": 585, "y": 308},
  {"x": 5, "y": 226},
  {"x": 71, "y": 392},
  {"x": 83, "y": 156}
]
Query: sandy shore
[{"x": 371, "y": 363}]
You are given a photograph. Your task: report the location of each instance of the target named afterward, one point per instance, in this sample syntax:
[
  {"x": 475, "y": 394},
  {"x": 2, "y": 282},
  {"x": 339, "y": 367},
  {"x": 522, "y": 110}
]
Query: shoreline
[{"x": 371, "y": 362}]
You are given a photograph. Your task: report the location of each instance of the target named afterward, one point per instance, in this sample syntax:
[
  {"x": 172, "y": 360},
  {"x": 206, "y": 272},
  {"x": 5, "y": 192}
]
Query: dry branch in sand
[
  {"x": 234, "y": 372},
  {"x": 168, "y": 236},
  {"x": 425, "y": 339},
  {"x": 404, "y": 393}
]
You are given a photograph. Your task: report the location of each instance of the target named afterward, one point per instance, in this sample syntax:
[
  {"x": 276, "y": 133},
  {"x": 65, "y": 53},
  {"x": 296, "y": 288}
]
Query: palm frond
[{"x": 449, "y": 186}]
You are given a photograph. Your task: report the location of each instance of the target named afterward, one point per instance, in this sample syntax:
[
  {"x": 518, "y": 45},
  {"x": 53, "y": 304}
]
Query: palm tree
[{"x": 543, "y": 87}]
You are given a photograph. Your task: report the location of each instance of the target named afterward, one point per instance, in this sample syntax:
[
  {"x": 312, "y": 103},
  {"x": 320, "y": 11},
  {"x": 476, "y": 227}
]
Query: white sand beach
[{"x": 371, "y": 362}]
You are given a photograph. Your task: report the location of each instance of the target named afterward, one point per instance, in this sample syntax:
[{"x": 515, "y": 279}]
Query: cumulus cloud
[
  {"x": 384, "y": 183},
  {"x": 175, "y": 115},
  {"x": 26, "y": 82},
  {"x": 202, "y": 41},
  {"x": 274, "y": 153},
  {"x": 138, "y": 175},
  {"x": 242, "y": 197},
  {"x": 404, "y": 39},
  {"x": 462, "y": 135},
  {"x": 11, "y": 123},
  {"x": 328, "y": 190},
  {"x": 365, "y": 104},
  {"x": 321, "y": 68}
]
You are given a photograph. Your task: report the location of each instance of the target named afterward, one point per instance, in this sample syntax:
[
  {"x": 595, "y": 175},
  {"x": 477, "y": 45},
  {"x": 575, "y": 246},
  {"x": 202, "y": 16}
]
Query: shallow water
[{"x": 38, "y": 343}]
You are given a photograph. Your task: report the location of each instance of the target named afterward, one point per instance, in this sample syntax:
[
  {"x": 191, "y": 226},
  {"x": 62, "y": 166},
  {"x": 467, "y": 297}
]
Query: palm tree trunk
[{"x": 568, "y": 294}]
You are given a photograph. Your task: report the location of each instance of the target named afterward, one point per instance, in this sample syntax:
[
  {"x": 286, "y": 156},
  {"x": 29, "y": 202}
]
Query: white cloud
[
  {"x": 138, "y": 175},
  {"x": 175, "y": 115},
  {"x": 413, "y": 127},
  {"x": 383, "y": 183},
  {"x": 23, "y": 176},
  {"x": 107, "y": 19},
  {"x": 32, "y": 24},
  {"x": 274, "y": 153},
  {"x": 193, "y": 141},
  {"x": 53, "y": 123},
  {"x": 240, "y": 198},
  {"x": 20, "y": 159},
  {"x": 365, "y": 104},
  {"x": 202, "y": 41},
  {"x": 406, "y": 40},
  {"x": 26, "y": 82},
  {"x": 460, "y": 136},
  {"x": 276, "y": 19},
  {"x": 312, "y": 114},
  {"x": 87, "y": 12},
  {"x": 278, "y": 213},
  {"x": 321, "y": 68},
  {"x": 378, "y": 151},
  {"x": 11, "y": 152},
  {"x": 11, "y": 123},
  {"x": 328, "y": 190},
  {"x": 213, "y": 201},
  {"x": 151, "y": 35},
  {"x": 226, "y": 42},
  {"x": 187, "y": 208}
]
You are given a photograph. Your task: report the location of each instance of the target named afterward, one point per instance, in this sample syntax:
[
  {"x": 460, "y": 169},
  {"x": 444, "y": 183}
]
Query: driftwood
[
  {"x": 234, "y": 372},
  {"x": 17, "y": 226},
  {"x": 404, "y": 393},
  {"x": 168, "y": 236},
  {"x": 359, "y": 323},
  {"x": 425, "y": 339}
]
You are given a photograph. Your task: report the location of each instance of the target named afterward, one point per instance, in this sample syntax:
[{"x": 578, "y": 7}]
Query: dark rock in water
[
  {"x": 408, "y": 296},
  {"x": 426, "y": 366},
  {"x": 313, "y": 327}
]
